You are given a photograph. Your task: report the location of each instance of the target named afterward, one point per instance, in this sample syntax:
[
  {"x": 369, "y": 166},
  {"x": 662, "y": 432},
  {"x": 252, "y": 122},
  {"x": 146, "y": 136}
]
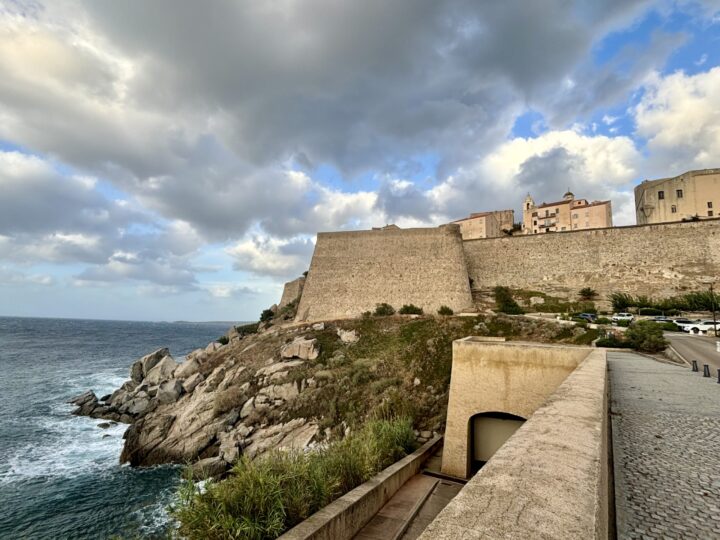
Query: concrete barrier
[
  {"x": 551, "y": 478},
  {"x": 344, "y": 517}
]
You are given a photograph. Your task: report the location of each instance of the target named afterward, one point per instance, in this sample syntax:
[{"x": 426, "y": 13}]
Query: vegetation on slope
[{"x": 263, "y": 498}]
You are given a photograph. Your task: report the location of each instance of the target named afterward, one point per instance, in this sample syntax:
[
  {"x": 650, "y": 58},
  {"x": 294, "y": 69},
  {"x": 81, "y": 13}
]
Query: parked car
[
  {"x": 589, "y": 317},
  {"x": 660, "y": 319},
  {"x": 617, "y": 317},
  {"x": 701, "y": 326},
  {"x": 683, "y": 323}
]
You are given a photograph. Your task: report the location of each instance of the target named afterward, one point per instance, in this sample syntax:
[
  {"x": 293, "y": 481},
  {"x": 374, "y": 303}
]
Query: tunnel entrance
[{"x": 488, "y": 432}]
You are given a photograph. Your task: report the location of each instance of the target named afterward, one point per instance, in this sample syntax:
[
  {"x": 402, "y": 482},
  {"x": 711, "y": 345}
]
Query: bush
[
  {"x": 263, "y": 498},
  {"x": 266, "y": 315},
  {"x": 444, "y": 310},
  {"x": 247, "y": 329},
  {"x": 384, "y": 310},
  {"x": 223, "y": 340},
  {"x": 613, "y": 342},
  {"x": 649, "y": 311},
  {"x": 505, "y": 302},
  {"x": 410, "y": 309},
  {"x": 603, "y": 320},
  {"x": 587, "y": 293},
  {"x": 669, "y": 327},
  {"x": 623, "y": 323},
  {"x": 646, "y": 336}
]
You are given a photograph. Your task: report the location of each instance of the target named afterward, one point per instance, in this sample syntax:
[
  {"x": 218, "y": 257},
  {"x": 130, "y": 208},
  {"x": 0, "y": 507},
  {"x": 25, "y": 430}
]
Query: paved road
[
  {"x": 666, "y": 446},
  {"x": 700, "y": 348}
]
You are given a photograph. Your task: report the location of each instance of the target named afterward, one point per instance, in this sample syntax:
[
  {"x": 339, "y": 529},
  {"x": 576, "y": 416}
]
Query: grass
[{"x": 263, "y": 498}]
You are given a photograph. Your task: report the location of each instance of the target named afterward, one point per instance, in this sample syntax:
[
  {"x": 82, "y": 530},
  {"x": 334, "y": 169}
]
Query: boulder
[
  {"x": 279, "y": 366},
  {"x": 192, "y": 381},
  {"x": 162, "y": 371},
  {"x": 212, "y": 347},
  {"x": 169, "y": 391},
  {"x": 230, "y": 445},
  {"x": 284, "y": 392},
  {"x": 137, "y": 406},
  {"x": 305, "y": 349},
  {"x": 247, "y": 408},
  {"x": 348, "y": 336},
  {"x": 211, "y": 467},
  {"x": 186, "y": 369},
  {"x": 318, "y": 326},
  {"x": 140, "y": 369},
  {"x": 84, "y": 398},
  {"x": 136, "y": 372}
]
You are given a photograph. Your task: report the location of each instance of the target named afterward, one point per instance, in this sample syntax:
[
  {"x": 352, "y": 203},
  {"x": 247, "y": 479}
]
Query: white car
[
  {"x": 701, "y": 326},
  {"x": 617, "y": 317}
]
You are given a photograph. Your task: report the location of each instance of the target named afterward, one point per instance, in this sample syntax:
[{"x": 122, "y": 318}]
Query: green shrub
[
  {"x": 603, "y": 320},
  {"x": 223, "y": 340},
  {"x": 444, "y": 310},
  {"x": 505, "y": 301},
  {"x": 366, "y": 314},
  {"x": 264, "y": 497},
  {"x": 410, "y": 309},
  {"x": 669, "y": 327},
  {"x": 623, "y": 323},
  {"x": 247, "y": 329},
  {"x": 646, "y": 336},
  {"x": 266, "y": 315},
  {"x": 650, "y": 311},
  {"x": 384, "y": 310},
  {"x": 587, "y": 293},
  {"x": 613, "y": 342}
]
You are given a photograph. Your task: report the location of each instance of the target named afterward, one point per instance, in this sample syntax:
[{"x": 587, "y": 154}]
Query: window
[
  {"x": 679, "y": 193},
  {"x": 528, "y": 206},
  {"x": 673, "y": 209},
  {"x": 661, "y": 195},
  {"x": 710, "y": 213},
  {"x": 534, "y": 221},
  {"x": 575, "y": 216},
  {"x": 547, "y": 213},
  {"x": 709, "y": 204},
  {"x": 562, "y": 229},
  {"x": 557, "y": 210}
]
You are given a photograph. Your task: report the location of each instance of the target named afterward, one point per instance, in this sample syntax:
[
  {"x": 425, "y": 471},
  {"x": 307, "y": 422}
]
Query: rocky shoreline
[{"x": 217, "y": 404}]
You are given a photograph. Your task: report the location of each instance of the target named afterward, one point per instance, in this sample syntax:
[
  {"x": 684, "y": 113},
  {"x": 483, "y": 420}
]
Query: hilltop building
[
  {"x": 569, "y": 214},
  {"x": 486, "y": 224},
  {"x": 692, "y": 195}
]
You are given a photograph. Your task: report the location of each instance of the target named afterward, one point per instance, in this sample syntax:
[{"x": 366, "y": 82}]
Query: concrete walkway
[{"x": 666, "y": 445}]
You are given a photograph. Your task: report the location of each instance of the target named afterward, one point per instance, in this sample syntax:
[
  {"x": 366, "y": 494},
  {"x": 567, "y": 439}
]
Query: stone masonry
[{"x": 666, "y": 439}]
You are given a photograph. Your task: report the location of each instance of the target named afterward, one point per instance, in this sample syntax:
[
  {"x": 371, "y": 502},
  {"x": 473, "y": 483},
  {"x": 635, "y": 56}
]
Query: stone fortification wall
[
  {"x": 292, "y": 291},
  {"x": 351, "y": 272},
  {"x": 656, "y": 260}
]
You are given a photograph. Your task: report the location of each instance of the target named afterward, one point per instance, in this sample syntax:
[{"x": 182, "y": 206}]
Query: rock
[
  {"x": 161, "y": 372},
  {"x": 81, "y": 399},
  {"x": 118, "y": 397},
  {"x": 211, "y": 467},
  {"x": 318, "y": 326},
  {"x": 137, "y": 406},
  {"x": 230, "y": 445},
  {"x": 212, "y": 347},
  {"x": 215, "y": 378},
  {"x": 535, "y": 300},
  {"x": 247, "y": 407},
  {"x": 278, "y": 376},
  {"x": 279, "y": 366},
  {"x": 103, "y": 425},
  {"x": 126, "y": 419},
  {"x": 426, "y": 434},
  {"x": 186, "y": 369},
  {"x": 106, "y": 397},
  {"x": 140, "y": 369},
  {"x": 169, "y": 391},
  {"x": 129, "y": 386},
  {"x": 285, "y": 391},
  {"x": 348, "y": 336},
  {"x": 192, "y": 381},
  {"x": 416, "y": 382},
  {"x": 305, "y": 349}
]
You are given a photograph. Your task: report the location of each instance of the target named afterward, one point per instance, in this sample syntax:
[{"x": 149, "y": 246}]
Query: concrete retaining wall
[
  {"x": 343, "y": 518},
  {"x": 550, "y": 479}
]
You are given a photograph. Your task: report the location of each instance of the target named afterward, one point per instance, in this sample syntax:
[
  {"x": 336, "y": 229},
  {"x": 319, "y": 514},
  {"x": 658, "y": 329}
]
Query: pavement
[
  {"x": 666, "y": 449},
  {"x": 694, "y": 347}
]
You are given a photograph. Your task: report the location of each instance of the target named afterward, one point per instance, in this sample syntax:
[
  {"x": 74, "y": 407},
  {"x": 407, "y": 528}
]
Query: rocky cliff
[{"x": 290, "y": 386}]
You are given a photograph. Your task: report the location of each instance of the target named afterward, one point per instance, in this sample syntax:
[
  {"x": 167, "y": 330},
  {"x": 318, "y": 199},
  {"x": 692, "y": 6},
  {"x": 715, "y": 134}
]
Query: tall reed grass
[{"x": 263, "y": 498}]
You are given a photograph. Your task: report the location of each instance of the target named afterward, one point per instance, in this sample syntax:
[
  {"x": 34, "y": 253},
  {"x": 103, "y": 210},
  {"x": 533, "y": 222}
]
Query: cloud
[
  {"x": 267, "y": 256},
  {"x": 679, "y": 116}
]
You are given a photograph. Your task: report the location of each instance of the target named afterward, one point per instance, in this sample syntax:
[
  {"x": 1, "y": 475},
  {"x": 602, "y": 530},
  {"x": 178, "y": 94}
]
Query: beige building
[
  {"x": 570, "y": 214},
  {"x": 694, "y": 194},
  {"x": 486, "y": 224}
]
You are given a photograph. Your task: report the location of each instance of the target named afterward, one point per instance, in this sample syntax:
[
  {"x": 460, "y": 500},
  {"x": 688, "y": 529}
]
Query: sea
[{"x": 60, "y": 475}]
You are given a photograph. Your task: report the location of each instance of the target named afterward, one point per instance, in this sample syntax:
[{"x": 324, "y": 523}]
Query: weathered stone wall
[
  {"x": 352, "y": 272},
  {"x": 292, "y": 291},
  {"x": 656, "y": 260}
]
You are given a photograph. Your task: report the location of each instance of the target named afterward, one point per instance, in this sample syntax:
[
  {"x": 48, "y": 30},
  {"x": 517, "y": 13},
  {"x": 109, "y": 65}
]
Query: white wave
[
  {"x": 155, "y": 517},
  {"x": 68, "y": 447}
]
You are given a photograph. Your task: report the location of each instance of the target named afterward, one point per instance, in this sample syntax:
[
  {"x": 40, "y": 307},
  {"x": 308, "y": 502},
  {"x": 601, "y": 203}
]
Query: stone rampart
[
  {"x": 655, "y": 260},
  {"x": 291, "y": 292},
  {"x": 352, "y": 272}
]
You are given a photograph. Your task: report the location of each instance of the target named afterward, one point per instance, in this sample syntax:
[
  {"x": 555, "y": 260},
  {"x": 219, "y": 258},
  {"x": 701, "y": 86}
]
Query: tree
[
  {"x": 505, "y": 302},
  {"x": 587, "y": 293}
]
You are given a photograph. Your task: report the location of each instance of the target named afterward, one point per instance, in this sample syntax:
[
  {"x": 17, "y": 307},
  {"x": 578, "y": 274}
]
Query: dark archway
[{"x": 487, "y": 432}]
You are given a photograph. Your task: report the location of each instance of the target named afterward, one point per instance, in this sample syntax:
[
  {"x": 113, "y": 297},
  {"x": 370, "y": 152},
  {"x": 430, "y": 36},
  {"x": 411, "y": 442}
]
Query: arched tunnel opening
[{"x": 487, "y": 432}]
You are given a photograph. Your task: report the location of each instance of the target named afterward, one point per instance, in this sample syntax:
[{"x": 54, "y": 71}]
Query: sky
[{"x": 174, "y": 159}]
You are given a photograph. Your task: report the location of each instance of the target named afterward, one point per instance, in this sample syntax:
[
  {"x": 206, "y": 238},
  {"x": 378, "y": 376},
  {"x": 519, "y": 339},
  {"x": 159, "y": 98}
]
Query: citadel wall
[
  {"x": 352, "y": 272},
  {"x": 655, "y": 260}
]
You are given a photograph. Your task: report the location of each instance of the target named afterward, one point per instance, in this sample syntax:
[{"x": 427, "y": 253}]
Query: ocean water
[{"x": 59, "y": 474}]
